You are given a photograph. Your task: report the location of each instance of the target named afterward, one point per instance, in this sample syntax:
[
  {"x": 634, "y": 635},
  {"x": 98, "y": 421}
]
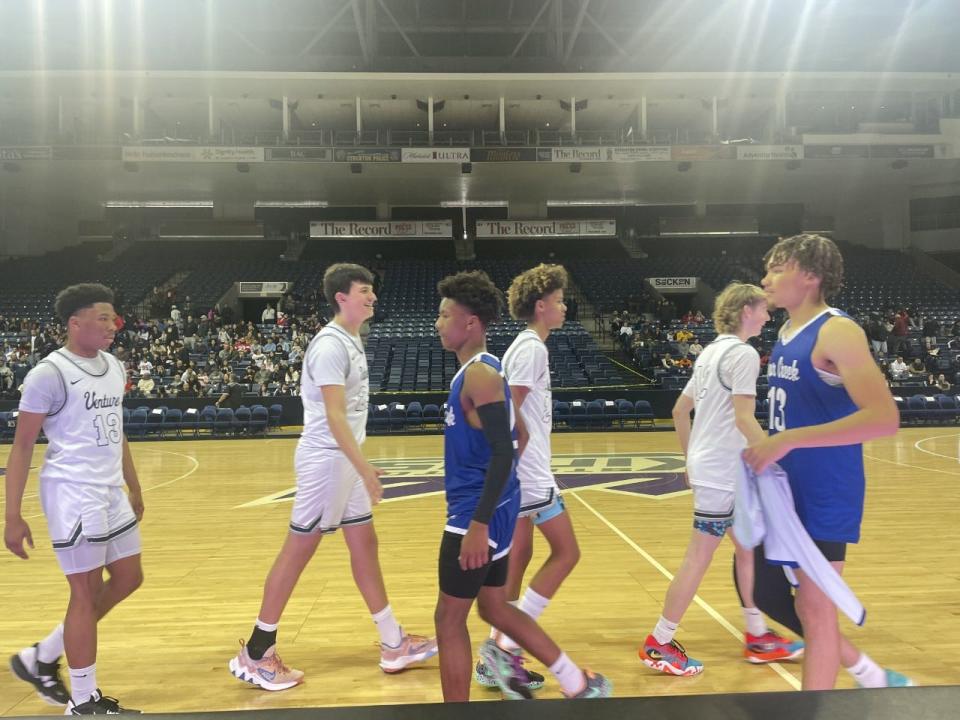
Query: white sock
[
  {"x": 83, "y": 683},
  {"x": 567, "y": 673},
  {"x": 664, "y": 631},
  {"x": 266, "y": 627},
  {"x": 51, "y": 647},
  {"x": 504, "y": 641},
  {"x": 390, "y": 633},
  {"x": 867, "y": 673},
  {"x": 756, "y": 625},
  {"x": 533, "y": 603}
]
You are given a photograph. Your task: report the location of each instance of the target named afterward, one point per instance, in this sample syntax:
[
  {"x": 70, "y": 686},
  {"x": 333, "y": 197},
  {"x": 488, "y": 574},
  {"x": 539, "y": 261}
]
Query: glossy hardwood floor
[{"x": 216, "y": 515}]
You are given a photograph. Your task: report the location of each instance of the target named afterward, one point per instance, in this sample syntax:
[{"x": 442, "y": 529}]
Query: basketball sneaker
[
  {"x": 595, "y": 686},
  {"x": 484, "y": 677},
  {"x": 412, "y": 649},
  {"x": 671, "y": 658},
  {"x": 770, "y": 647},
  {"x": 99, "y": 704},
  {"x": 268, "y": 672},
  {"x": 895, "y": 679},
  {"x": 506, "y": 670},
  {"x": 45, "y": 677}
]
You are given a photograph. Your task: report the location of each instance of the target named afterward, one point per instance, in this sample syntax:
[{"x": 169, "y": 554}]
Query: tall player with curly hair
[{"x": 537, "y": 297}]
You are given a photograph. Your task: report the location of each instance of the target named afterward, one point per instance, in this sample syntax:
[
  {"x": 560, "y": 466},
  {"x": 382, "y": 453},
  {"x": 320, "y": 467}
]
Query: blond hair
[
  {"x": 729, "y": 305},
  {"x": 532, "y": 285},
  {"x": 814, "y": 254}
]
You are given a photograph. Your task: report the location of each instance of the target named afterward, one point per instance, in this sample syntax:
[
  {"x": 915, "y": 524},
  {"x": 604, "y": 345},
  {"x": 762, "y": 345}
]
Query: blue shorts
[{"x": 548, "y": 513}]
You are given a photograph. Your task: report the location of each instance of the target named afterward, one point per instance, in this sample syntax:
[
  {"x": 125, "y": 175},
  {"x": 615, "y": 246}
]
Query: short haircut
[
  {"x": 532, "y": 285},
  {"x": 339, "y": 278},
  {"x": 78, "y": 297},
  {"x": 730, "y": 304},
  {"x": 476, "y": 292},
  {"x": 814, "y": 254}
]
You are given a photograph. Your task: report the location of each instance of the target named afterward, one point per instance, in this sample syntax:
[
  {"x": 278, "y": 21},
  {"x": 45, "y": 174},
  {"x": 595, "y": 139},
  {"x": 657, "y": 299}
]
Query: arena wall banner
[
  {"x": 673, "y": 284},
  {"x": 635, "y": 153},
  {"x": 300, "y": 154},
  {"x": 190, "y": 153},
  {"x": 32, "y": 152},
  {"x": 769, "y": 152},
  {"x": 364, "y": 155},
  {"x": 434, "y": 155},
  {"x": 381, "y": 229},
  {"x": 545, "y": 228},
  {"x": 862, "y": 150},
  {"x": 697, "y": 153},
  {"x": 503, "y": 155},
  {"x": 836, "y": 151}
]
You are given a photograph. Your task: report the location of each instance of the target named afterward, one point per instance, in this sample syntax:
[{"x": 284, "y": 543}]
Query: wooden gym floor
[{"x": 217, "y": 511}]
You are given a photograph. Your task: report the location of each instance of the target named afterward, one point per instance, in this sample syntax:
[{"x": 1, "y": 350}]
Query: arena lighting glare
[
  {"x": 588, "y": 203},
  {"x": 158, "y": 204},
  {"x": 291, "y": 204},
  {"x": 473, "y": 203}
]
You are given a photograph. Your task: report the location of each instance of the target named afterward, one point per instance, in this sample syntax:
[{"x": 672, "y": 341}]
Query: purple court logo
[{"x": 650, "y": 475}]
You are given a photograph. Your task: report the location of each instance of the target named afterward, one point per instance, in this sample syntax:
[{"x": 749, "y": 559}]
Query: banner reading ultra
[
  {"x": 545, "y": 228},
  {"x": 380, "y": 229},
  {"x": 435, "y": 155}
]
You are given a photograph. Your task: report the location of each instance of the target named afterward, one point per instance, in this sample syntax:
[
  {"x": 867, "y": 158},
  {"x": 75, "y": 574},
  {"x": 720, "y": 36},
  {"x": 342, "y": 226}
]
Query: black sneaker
[
  {"x": 45, "y": 678},
  {"x": 99, "y": 704}
]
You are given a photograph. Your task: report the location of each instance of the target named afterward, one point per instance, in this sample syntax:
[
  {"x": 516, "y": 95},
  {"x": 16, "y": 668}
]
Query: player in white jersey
[
  {"x": 723, "y": 391},
  {"x": 535, "y": 296},
  {"x": 75, "y": 395},
  {"x": 336, "y": 486}
]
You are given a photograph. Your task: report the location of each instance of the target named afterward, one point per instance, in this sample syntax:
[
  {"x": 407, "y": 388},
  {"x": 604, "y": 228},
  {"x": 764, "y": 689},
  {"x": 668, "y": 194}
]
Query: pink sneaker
[
  {"x": 412, "y": 649},
  {"x": 268, "y": 673}
]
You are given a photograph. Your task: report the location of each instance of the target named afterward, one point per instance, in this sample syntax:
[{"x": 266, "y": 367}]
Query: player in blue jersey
[
  {"x": 827, "y": 396},
  {"x": 483, "y": 499}
]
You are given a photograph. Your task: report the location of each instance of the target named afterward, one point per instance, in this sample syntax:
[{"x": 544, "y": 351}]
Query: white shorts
[
  {"x": 91, "y": 526},
  {"x": 330, "y": 493},
  {"x": 712, "y": 509},
  {"x": 537, "y": 496}
]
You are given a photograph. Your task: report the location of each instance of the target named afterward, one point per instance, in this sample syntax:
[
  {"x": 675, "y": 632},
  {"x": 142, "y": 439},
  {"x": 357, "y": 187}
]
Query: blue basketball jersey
[
  {"x": 827, "y": 482},
  {"x": 467, "y": 454}
]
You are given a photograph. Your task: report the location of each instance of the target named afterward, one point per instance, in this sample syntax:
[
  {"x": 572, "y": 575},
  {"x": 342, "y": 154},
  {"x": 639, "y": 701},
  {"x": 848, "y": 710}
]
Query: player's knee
[{"x": 446, "y": 618}]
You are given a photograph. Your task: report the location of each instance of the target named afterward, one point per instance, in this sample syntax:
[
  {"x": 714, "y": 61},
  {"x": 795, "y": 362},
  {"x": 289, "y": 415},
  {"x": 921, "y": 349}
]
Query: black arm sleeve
[{"x": 495, "y": 419}]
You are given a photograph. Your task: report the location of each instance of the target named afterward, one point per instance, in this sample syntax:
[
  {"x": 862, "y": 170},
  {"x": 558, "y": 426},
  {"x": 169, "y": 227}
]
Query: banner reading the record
[
  {"x": 629, "y": 153},
  {"x": 381, "y": 229},
  {"x": 545, "y": 228},
  {"x": 434, "y": 155},
  {"x": 164, "y": 153}
]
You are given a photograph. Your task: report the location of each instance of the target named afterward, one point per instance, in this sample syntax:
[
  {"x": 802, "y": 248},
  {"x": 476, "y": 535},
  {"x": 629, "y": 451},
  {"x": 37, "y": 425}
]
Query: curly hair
[
  {"x": 814, "y": 254},
  {"x": 730, "y": 304},
  {"x": 532, "y": 285},
  {"x": 339, "y": 278},
  {"x": 476, "y": 292},
  {"x": 78, "y": 297}
]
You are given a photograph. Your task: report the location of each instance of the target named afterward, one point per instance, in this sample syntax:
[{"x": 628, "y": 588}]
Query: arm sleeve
[
  {"x": 43, "y": 390},
  {"x": 496, "y": 429},
  {"x": 328, "y": 363},
  {"x": 741, "y": 367}
]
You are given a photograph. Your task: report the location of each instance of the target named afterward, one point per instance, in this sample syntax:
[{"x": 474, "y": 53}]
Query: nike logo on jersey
[{"x": 74, "y": 382}]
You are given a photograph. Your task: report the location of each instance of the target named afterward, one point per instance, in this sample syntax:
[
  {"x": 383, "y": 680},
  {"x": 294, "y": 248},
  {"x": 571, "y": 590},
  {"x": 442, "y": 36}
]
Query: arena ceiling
[{"x": 492, "y": 36}]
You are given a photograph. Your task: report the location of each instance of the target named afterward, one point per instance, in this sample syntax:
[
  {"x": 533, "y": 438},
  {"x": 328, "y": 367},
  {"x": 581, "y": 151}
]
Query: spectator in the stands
[
  {"x": 943, "y": 385},
  {"x": 899, "y": 369},
  {"x": 269, "y": 315},
  {"x": 146, "y": 385},
  {"x": 917, "y": 368},
  {"x": 931, "y": 328},
  {"x": 695, "y": 348},
  {"x": 898, "y": 336}
]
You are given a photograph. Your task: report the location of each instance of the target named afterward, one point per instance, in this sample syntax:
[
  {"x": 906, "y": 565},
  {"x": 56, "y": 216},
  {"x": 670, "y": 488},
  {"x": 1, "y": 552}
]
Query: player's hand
[
  {"x": 475, "y": 547},
  {"x": 15, "y": 531},
  {"x": 370, "y": 474},
  {"x": 136, "y": 502},
  {"x": 760, "y": 455}
]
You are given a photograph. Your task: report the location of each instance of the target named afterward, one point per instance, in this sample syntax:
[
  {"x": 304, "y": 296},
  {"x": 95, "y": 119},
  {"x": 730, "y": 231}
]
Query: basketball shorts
[
  {"x": 467, "y": 584},
  {"x": 712, "y": 510},
  {"x": 540, "y": 499},
  {"x": 330, "y": 494},
  {"x": 91, "y": 526}
]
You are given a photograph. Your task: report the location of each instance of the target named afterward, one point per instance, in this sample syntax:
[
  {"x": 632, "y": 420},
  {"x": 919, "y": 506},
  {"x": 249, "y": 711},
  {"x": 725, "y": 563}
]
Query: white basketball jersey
[
  {"x": 526, "y": 363},
  {"x": 728, "y": 366},
  {"x": 86, "y": 431},
  {"x": 334, "y": 357}
]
